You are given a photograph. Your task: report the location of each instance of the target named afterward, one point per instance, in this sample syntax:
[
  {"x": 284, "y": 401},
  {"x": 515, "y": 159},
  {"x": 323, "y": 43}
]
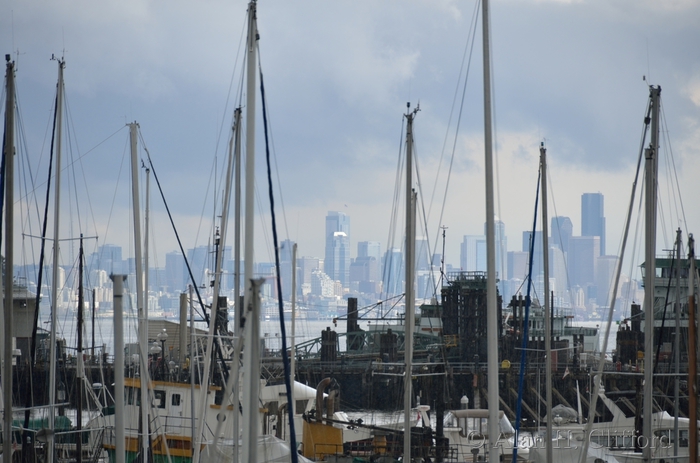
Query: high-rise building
[
  {"x": 605, "y": 277},
  {"x": 472, "y": 253},
  {"x": 537, "y": 266},
  {"x": 593, "y": 217},
  {"x": 201, "y": 264},
  {"x": 501, "y": 242},
  {"x": 422, "y": 251},
  {"x": 393, "y": 272},
  {"x": 517, "y": 265},
  {"x": 562, "y": 229},
  {"x": 286, "y": 248},
  {"x": 583, "y": 255},
  {"x": 369, "y": 249},
  {"x": 366, "y": 267},
  {"x": 109, "y": 259},
  {"x": 337, "y": 259},
  {"x": 175, "y": 271}
]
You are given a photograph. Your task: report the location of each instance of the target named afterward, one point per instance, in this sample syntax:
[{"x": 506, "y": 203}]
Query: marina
[{"x": 235, "y": 360}]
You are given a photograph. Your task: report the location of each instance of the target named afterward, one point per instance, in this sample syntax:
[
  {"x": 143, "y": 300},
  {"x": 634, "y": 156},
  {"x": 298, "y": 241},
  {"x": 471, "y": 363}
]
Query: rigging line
[
  {"x": 114, "y": 197},
  {"x": 431, "y": 275},
  {"x": 25, "y": 166},
  {"x": 459, "y": 119},
  {"x": 454, "y": 98},
  {"x": 230, "y": 85},
  {"x": 79, "y": 158},
  {"x": 523, "y": 353},
  {"x": 550, "y": 183},
  {"x": 285, "y": 359},
  {"x": 20, "y": 128},
  {"x": 274, "y": 157},
  {"x": 72, "y": 139},
  {"x": 217, "y": 346},
  {"x": 673, "y": 162},
  {"x": 82, "y": 169},
  {"x": 388, "y": 260},
  {"x": 636, "y": 239},
  {"x": 35, "y": 327}
]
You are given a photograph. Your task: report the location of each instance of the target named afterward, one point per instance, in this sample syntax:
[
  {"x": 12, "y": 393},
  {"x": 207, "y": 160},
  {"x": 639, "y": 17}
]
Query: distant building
[
  {"x": 517, "y": 265},
  {"x": 337, "y": 259},
  {"x": 593, "y": 217},
  {"x": 537, "y": 267},
  {"x": 369, "y": 249},
  {"x": 472, "y": 253},
  {"x": 175, "y": 271},
  {"x": 286, "y": 271},
  {"x": 501, "y": 243},
  {"x": 393, "y": 272},
  {"x": 561, "y": 229},
  {"x": 606, "y": 267},
  {"x": 422, "y": 251},
  {"x": 583, "y": 255}
]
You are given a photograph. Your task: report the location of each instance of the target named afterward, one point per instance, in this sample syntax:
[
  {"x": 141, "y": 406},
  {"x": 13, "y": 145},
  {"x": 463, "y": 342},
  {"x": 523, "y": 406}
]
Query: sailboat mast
[
  {"x": 692, "y": 356},
  {"x": 221, "y": 243},
  {"x": 119, "y": 428},
  {"x": 651, "y": 164},
  {"x": 251, "y": 360},
  {"x": 491, "y": 297},
  {"x": 547, "y": 306},
  {"x": 9, "y": 238},
  {"x": 55, "y": 267},
  {"x": 677, "y": 344},
  {"x": 237, "y": 277},
  {"x": 410, "y": 298},
  {"x": 143, "y": 316},
  {"x": 79, "y": 417}
]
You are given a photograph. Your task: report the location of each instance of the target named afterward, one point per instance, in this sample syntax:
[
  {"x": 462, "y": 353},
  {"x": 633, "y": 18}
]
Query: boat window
[
  {"x": 301, "y": 405},
  {"x": 175, "y": 401},
  {"x": 129, "y": 395},
  {"x": 159, "y": 399},
  {"x": 683, "y": 437}
]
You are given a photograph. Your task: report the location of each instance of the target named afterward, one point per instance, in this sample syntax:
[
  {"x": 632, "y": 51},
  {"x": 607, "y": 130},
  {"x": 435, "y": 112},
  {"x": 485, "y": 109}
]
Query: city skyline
[
  {"x": 578, "y": 271},
  {"x": 336, "y": 111}
]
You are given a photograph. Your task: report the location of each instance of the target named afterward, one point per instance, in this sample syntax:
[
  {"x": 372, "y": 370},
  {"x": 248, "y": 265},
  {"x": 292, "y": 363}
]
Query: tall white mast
[
  {"x": 139, "y": 290},
  {"x": 547, "y": 307},
  {"x": 410, "y": 298},
  {"x": 55, "y": 267},
  {"x": 491, "y": 297},
  {"x": 292, "y": 349},
  {"x": 221, "y": 243},
  {"x": 118, "y": 298},
  {"x": 251, "y": 356},
  {"x": 235, "y": 371},
  {"x": 9, "y": 239},
  {"x": 651, "y": 165}
]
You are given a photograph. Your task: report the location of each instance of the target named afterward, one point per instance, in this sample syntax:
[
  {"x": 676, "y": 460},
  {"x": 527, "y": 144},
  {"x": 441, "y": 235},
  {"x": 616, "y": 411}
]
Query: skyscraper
[
  {"x": 501, "y": 242},
  {"x": 337, "y": 259},
  {"x": 593, "y": 218},
  {"x": 562, "y": 230},
  {"x": 472, "y": 255},
  {"x": 369, "y": 249},
  {"x": 286, "y": 269},
  {"x": 583, "y": 259}
]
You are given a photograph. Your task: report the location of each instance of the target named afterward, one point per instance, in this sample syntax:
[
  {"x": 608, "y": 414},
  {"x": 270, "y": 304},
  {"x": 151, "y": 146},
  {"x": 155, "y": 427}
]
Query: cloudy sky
[{"x": 338, "y": 76}]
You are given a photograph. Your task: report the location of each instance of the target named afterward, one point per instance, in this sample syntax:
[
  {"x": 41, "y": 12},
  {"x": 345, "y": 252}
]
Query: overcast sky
[{"x": 338, "y": 76}]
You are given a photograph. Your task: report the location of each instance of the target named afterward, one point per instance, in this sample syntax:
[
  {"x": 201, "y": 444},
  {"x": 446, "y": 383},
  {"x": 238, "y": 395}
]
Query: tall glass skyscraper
[
  {"x": 337, "y": 260},
  {"x": 593, "y": 217}
]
